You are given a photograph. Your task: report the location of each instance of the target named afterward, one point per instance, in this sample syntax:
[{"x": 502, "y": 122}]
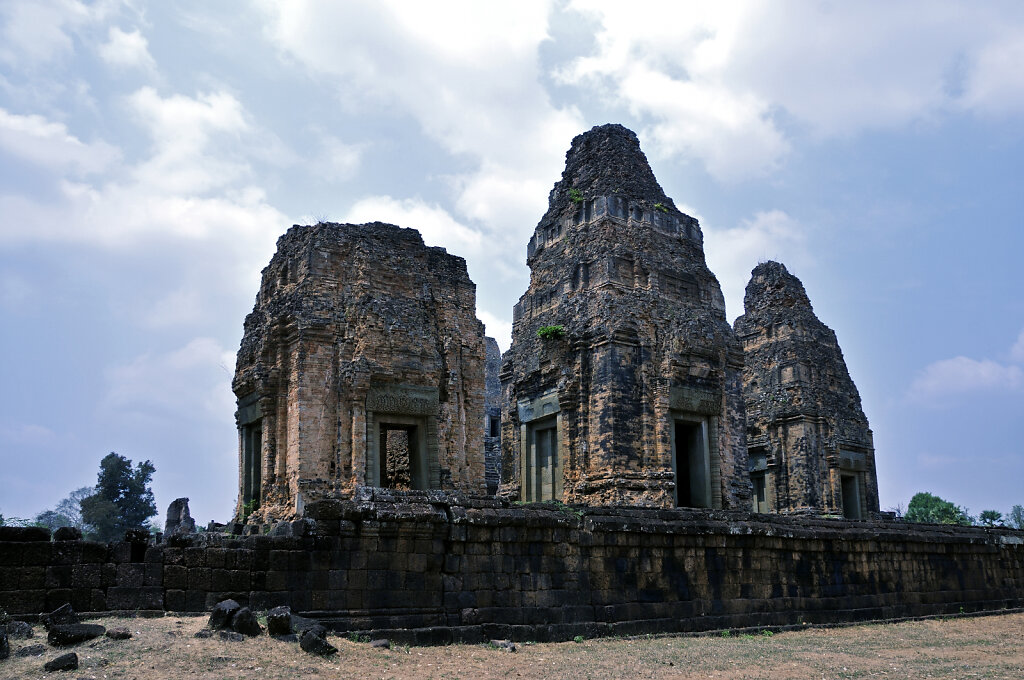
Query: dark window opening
[
  {"x": 495, "y": 426},
  {"x": 252, "y": 464}
]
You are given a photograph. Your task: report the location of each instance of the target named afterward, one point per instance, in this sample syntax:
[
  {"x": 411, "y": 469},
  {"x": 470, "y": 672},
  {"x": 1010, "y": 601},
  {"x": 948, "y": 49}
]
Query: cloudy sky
[{"x": 152, "y": 153}]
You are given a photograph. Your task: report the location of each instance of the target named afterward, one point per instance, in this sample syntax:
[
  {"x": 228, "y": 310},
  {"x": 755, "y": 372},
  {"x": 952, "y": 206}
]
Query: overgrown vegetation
[
  {"x": 551, "y": 332},
  {"x": 926, "y": 507},
  {"x": 661, "y": 207},
  {"x": 576, "y": 196}
]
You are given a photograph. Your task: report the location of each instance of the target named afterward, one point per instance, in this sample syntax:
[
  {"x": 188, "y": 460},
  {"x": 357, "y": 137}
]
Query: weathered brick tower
[
  {"x": 362, "y": 363},
  {"x": 634, "y": 397},
  {"x": 810, "y": 446}
]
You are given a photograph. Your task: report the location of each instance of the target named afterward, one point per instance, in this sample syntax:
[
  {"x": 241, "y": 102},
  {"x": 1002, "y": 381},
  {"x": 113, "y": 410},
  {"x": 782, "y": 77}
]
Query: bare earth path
[{"x": 961, "y": 648}]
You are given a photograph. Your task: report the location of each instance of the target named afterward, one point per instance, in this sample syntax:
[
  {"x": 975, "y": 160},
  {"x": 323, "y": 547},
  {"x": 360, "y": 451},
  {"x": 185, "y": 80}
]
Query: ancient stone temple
[
  {"x": 623, "y": 381},
  {"x": 810, "y": 446},
  {"x": 362, "y": 363},
  {"x": 492, "y": 419}
]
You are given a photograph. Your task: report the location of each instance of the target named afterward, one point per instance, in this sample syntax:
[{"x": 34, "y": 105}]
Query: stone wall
[
  {"x": 492, "y": 421},
  {"x": 426, "y": 567},
  {"x": 358, "y": 332},
  {"x": 636, "y": 399}
]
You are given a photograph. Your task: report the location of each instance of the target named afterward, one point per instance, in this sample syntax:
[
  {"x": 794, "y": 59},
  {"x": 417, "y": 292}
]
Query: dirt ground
[{"x": 961, "y": 648}]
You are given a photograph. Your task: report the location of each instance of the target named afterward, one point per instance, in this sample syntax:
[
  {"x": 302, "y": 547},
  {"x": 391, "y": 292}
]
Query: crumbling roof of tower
[
  {"x": 772, "y": 286},
  {"x": 605, "y": 161}
]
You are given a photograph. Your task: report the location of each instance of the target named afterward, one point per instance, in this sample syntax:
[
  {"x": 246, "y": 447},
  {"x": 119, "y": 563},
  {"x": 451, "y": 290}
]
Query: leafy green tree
[
  {"x": 990, "y": 518},
  {"x": 123, "y": 499},
  {"x": 68, "y": 512},
  {"x": 925, "y": 507},
  {"x": 1016, "y": 517},
  {"x": 51, "y": 519}
]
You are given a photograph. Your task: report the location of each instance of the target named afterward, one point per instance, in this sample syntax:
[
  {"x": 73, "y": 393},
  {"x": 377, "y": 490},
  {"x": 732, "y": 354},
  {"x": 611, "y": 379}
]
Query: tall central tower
[{"x": 623, "y": 381}]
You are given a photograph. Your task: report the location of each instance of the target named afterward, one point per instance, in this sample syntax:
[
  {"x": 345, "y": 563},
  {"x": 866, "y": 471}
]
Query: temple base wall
[{"x": 426, "y": 567}]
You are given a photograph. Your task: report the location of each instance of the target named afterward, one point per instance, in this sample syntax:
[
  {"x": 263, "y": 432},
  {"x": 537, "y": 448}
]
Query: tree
[
  {"x": 123, "y": 499},
  {"x": 990, "y": 518},
  {"x": 1016, "y": 517},
  {"x": 925, "y": 507},
  {"x": 68, "y": 512}
]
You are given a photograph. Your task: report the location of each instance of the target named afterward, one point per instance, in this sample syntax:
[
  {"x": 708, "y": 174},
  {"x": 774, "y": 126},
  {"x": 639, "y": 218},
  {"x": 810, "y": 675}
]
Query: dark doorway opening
[
  {"x": 691, "y": 465},
  {"x": 851, "y": 496},
  {"x": 400, "y": 457}
]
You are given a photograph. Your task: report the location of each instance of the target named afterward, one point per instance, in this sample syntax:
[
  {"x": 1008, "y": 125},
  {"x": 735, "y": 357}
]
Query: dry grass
[{"x": 962, "y": 648}]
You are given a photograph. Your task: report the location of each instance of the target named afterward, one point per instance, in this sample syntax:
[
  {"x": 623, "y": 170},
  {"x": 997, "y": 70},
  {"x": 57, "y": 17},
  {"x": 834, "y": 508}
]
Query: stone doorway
[
  {"x": 402, "y": 455},
  {"x": 543, "y": 470},
  {"x": 760, "y": 492},
  {"x": 691, "y": 463},
  {"x": 851, "y": 496}
]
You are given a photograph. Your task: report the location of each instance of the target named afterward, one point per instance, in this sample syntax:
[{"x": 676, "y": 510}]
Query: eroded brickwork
[
  {"x": 635, "y": 398},
  {"x": 362, "y": 363},
  {"x": 810, "y": 446},
  {"x": 492, "y": 421}
]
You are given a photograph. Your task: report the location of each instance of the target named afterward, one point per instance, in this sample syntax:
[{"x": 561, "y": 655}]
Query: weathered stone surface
[
  {"x": 279, "y": 621},
  {"x": 5, "y": 644},
  {"x": 19, "y": 630},
  {"x": 203, "y": 634},
  {"x": 119, "y": 634},
  {"x": 64, "y": 662},
  {"x": 223, "y": 613},
  {"x": 246, "y": 623},
  {"x": 360, "y": 335},
  {"x": 179, "y": 519},
  {"x": 380, "y": 643},
  {"x": 67, "y": 534},
  {"x": 635, "y": 396},
  {"x": 31, "y": 650},
  {"x": 492, "y": 419},
  {"x": 810, "y": 447},
  {"x": 314, "y": 641},
  {"x": 68, "y": 634},
  {"x": 231, "y": 636},
  {"x": 24, "y": 534},
  {"x": 63, "y": 614}
]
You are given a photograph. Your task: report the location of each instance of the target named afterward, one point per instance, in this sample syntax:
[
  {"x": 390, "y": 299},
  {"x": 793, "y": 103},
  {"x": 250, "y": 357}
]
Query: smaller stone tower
[
  {"x": 809, "y": 444},
  {"x": 362, "y": 364}
]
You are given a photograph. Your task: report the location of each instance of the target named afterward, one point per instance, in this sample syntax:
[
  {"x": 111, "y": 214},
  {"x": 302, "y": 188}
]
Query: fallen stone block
[
  {"x": 507, "y": 645},
  {"x": 279, "y": 621},
  {"x": 64, "y": 662},
  {"x": 314, "y": 641},
  {"x": 74, "y": 633},
  {"x": 223, "y": 613},
  {"x": 119, "y": 634},
  {"x": 19, "y": 630},
  {"x": 290, "y": 637},
  {"x": 205, "y": 633},
  {"x": 31, "y": 650},
  {"x": 231, "y": 636},
  {"x": 67, "y": 534},
  {"x": 62, "y": 615},
  {"x": 380, "y": 644},
  {"x": 246, "y": 623}
]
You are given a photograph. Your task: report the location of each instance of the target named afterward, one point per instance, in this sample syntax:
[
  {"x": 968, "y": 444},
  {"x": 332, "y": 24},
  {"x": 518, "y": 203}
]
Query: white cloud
[
  {"x": 186, "y": 381},
  {"x": 497, "y": 328},
  {"x": 732, "y": 253},
  {"x": 436, "y": 225},
  {"x": 468, "y": 72},
  {"x": 1017, "y": 351},
  {"x": 35, "y": 31},
  {"x": 960, "y": 375},
  {"x": 711, "y": 79},
  {"x": 48, "y": 144},
  {"x": 339, "y": 161},
  {"x": 127, "y": 50}
]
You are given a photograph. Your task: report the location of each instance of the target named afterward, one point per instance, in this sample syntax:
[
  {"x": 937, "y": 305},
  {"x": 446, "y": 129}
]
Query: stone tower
[
  {"x": 810, "y": 446},
  {"x": 362, "y": 364},
  {"x": 623, "y": 381}
]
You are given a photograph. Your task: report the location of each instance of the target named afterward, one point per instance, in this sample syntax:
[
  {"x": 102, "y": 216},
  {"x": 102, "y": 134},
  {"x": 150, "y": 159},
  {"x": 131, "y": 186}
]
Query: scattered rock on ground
[
  {"x": 5, "y": 645},
  {"x": 301, "y": 624},
  {"x": 290, "y": 637},
  {"x": 74, "y": 633},
  {"x": 64, "y": 662},
  {"x": 63, "y": 614},
  {"x": 231, "y": 635},
  {"x": 507, "y": 645},
  {"x": 381, "y": 644},
  {"x": 204, "y": 633},
  {"x": 246, "y": 623},
  {"x": 314, "y": 641},
  {"x": 279, "y": 621},
  {"x": 119, "y": 634},
  {"x": 31, "y": 650},
  {"x": 19, "y": 630},
  {"x": 222, "y": 614}
]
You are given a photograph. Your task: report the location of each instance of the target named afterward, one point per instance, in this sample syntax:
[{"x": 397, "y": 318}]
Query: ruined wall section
[
  {"x": 492, "y": 419},
  {"x": 352, "y": 323},
  {"x": 804, "y": 414},
  {"x": 622, "y": 270}
]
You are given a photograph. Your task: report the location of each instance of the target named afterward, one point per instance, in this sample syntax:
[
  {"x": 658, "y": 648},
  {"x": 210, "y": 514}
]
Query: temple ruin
[
  {"x": 809, "y": 444},
  {"x": 623, "y": 381},
  {"x": 362, "y": 364},
  {"x": 492, "y": 421}
]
